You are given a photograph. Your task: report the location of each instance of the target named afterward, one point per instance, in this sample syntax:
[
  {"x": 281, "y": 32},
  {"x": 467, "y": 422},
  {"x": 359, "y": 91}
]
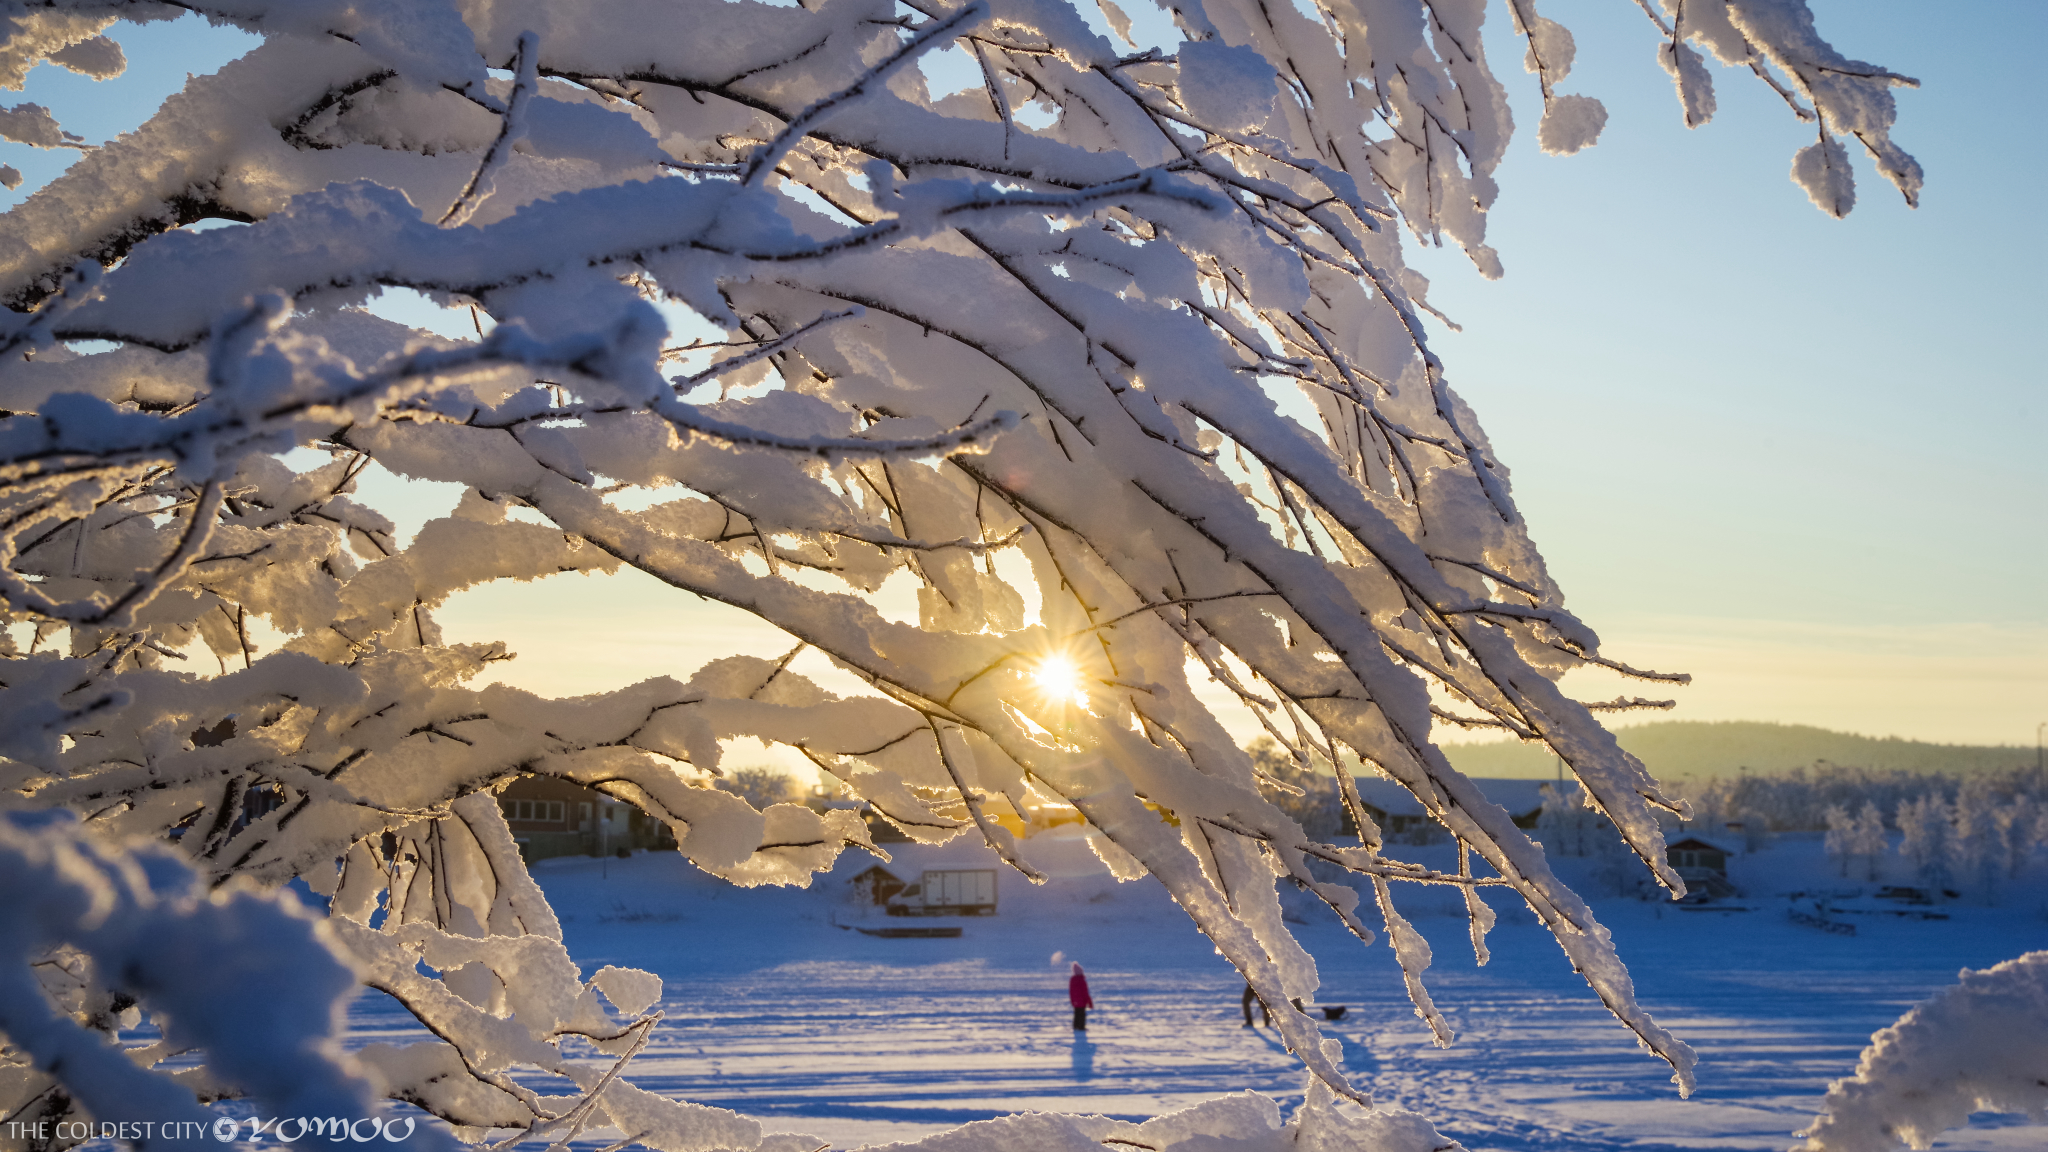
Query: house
[
  {"x": 1391, "y": 806},
  {"x": 1398, "y": 812},
  {"x": 1523, "y": 799},
  {"x": 875, "y": 886},
  {"x": 1703, "y": 867},
  {"x": 550, "y": 816},
  {"x": 1693, "y": 855}
]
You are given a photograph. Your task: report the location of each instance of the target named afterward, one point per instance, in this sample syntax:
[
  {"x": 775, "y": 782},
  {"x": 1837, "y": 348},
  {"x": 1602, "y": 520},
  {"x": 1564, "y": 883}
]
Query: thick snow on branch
[
  {"x": 1160, "y": 349},
  {"x": 1777, "y": 40},
  {"x": 1981, "y": 1046},
  {"x": 94, "y": 933}
]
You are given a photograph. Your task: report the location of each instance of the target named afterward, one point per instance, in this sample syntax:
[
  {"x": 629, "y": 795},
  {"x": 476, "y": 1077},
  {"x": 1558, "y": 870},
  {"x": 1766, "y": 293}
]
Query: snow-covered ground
[{"x": 776, "y": 1011}]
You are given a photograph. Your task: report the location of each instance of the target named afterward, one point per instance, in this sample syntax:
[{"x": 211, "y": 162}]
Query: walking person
[
  {"x": 1265, "y": 1015},
  {"x": 1077, "y": 991}
]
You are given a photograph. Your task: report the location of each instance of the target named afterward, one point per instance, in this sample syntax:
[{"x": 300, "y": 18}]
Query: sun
[{"x": 1059, "y": 680}]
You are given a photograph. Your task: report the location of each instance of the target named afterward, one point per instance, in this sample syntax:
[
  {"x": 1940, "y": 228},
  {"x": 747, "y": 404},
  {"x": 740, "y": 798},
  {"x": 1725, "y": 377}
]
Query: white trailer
[{"x": 948, "y": 892}]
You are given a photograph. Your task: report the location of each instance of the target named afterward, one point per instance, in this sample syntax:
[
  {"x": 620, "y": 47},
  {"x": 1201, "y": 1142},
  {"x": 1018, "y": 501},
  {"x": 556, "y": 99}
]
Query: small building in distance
[
  {"x": 875, "y": 886},
  {"x": 1399, "y": 813},
  {"x": 1693, "y": 855},
  {"x": 550, "y": 816},
  {"x": 1703, "y": 867}
]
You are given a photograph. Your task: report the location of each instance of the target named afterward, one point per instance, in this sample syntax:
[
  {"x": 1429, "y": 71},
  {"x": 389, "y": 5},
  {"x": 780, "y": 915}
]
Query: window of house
[{"x": 549, "y": 810}]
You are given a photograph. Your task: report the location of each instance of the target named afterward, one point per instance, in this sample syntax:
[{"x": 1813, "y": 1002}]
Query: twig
[
  {"x": 765, "y": 349},
  {"x": 511, "y": 130},
  {"x": 770, "y": 155}
]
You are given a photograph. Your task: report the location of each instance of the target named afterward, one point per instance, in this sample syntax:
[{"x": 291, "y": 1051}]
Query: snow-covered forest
[
  {"x": 1970, "y": 833},
  {"x": 1801, "y": 799},
  {"x": 1971, "y": 830},
  {"x": 1113, "y": 357}
]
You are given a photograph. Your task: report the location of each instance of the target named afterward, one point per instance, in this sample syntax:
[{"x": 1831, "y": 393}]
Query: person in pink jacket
[{"x": 1077, "y": 991}]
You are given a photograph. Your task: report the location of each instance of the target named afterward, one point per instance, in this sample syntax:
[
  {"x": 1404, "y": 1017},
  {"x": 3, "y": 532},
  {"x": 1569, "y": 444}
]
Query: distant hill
[{"x": 1674, "y": 748}]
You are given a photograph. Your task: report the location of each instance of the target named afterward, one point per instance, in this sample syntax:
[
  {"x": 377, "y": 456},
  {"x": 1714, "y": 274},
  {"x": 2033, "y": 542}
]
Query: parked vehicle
[{"x": 948, "y": 892}]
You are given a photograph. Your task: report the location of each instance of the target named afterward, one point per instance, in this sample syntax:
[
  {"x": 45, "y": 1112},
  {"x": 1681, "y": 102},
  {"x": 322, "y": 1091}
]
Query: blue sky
[{"x": 1796, "y": 456}]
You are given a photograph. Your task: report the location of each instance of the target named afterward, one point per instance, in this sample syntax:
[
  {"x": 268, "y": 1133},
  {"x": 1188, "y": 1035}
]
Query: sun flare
[{"x": 1059, "y": 680}]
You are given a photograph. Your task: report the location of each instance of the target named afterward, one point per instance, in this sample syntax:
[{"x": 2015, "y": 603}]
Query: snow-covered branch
[
  {"x": 147, "y": 937},
  {"x": 1981, "y": 1046}
]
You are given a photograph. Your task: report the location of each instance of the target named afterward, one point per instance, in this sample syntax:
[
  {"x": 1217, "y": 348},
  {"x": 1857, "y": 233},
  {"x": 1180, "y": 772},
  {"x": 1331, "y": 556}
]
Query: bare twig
[{"x": 511, "y": 130}]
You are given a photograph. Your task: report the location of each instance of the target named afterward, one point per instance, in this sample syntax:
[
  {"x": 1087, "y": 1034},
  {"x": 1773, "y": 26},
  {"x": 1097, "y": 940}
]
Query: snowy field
[{"x": 776, "y": 1011}]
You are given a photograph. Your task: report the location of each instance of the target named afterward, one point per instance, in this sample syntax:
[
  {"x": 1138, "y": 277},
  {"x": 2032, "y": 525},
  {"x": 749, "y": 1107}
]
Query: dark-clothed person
[{"x": 1251, "y": 998}]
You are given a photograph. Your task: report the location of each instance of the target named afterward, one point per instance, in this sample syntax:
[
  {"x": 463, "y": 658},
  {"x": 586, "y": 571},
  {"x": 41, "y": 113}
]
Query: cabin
[
  {"x": 1523, "y": 799},
  {"x": 1703, "y": 867},
  {"x": 1399, "y": 813},
  {"x": 1695, "y": 855},
  {"x": 551, "y": 817},
  {"x": 875, "y": 886}
]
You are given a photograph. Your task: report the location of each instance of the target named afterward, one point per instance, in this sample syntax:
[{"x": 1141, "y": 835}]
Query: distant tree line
[
  {"x": 1803, "y": 798},
  {"x": 1955, "y": 832},
  {"x": 1961, "y": 833},
  {"x": 1799, "y": 800}
]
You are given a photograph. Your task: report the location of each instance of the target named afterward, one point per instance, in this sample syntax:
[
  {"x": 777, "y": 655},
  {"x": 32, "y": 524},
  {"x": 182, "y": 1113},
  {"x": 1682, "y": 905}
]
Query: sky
[{"x": 1800, "y": 458}]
